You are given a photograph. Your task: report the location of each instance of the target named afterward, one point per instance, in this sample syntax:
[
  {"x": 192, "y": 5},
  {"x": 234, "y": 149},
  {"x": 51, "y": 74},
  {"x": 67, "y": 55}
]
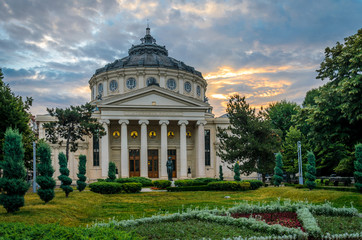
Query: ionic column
[
  {"x": 200, "y": 149},
  {"x": 124, "y": 171},
  {"x": 183, "y": 149},
  {"x": 104, "y": 148},
  {"x": 163, "y": 124},
  {"x": 144, "y": 169}
]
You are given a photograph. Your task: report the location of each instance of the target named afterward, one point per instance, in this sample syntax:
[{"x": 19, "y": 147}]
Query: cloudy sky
[{"x": 264, "y": 50}]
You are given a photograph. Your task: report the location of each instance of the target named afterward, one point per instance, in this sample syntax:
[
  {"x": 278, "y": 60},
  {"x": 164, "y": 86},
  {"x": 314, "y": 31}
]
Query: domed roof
[{"x": 148, "y": 54}]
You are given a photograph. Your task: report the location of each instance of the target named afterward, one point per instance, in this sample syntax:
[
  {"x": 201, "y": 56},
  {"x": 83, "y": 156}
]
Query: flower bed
[{"x": 286, "y": 219}]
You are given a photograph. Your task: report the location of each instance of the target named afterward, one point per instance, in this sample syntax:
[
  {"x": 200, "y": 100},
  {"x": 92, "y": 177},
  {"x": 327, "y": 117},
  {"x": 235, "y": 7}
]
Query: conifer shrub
[
  {"x": 12, "y": 183},
  {"x": 311, "y": 171},
  {"x": 221, "y": 175},
  {"x": 46, "y": 171},
  {"x": 162, "y": 184},
  {"x": 278, "y": 172},
  {"x": 237, "y": 172},
  {"x": 358, "y": 167},
  {"x": 111, "y": 172},
  {"x": 66, "y": 181},
  {"x": 81, "y": 173}
]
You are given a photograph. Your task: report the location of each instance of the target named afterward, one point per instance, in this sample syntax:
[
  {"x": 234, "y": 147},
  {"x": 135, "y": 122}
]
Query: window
[
  {"x": 100, "y": 89},
  {"x": 131, "y": 83},
  {"x": 207, "y": 147},
  {"x": 188, "y": 87},
  {"x": 113, "y": 85},
  {"x": 198, "y": 91},
  {"x": 151, "y": 81},
  {"x": 171, "y": 84},
  {"x": 95, "y": 151}
]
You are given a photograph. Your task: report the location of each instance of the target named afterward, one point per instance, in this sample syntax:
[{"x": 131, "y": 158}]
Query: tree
[
  {"x": 278, "y": 172},
  {"x": 358, "y": 167},
  {"x": 66, "y": 181},
  {"x": 81, "y": 175},
  {"x": 45, "y": 170},
  {"x": 14, "y": 114},
  {"x": 237, "y": 172},
  {"x": 111, "y": 172},
  {"x": 221, "y": 175},
  {"x": 311, "y": 171},
  {"x": 249, "y": 140},
  {"x": 71, "y": 125},
  {"x": 13, "y": 183}
]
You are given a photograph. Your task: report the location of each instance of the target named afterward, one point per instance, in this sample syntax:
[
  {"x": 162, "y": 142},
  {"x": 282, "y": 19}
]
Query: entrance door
[
  {"x": 172, "y": 153},
  {"x": 134, "y": 162},
  {"x": 153, "y": 163}
]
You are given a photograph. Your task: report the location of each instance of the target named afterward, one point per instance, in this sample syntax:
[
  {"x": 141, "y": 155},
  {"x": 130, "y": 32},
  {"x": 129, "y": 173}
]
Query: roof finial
[{"x": 148, "y": 28}]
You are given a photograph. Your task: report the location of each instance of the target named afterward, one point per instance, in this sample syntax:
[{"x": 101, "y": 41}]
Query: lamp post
[{"x": 300, "y": 165}]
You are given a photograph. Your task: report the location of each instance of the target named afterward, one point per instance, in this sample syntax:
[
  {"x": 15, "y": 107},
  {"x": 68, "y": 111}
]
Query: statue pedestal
[{"x": 172, "y": 183}]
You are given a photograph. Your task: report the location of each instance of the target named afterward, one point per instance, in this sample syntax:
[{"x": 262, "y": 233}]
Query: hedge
[
  {"x": 254, "y": 184},
  {"x": 229, "y": 186},
  {"x": 131, "y": 187},
  {"x": 106, "y": 187},
  {"x": 146, "y": 182},
  {"x": 188, "y": 188},
  {"x": 163, "y": 184},
  {"x": 188, "y": 182}
]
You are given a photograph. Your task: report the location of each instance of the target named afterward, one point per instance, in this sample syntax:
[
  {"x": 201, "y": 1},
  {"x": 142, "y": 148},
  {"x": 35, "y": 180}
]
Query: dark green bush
[
  {"x": 229, "y": 186},
  {"x": 205, "y": 181},
  {"x": 326, "y": 182},
  {"x": 254, "y": 184},
  {"x": 163, "y": 184},
  {"x": 65, "y": 180},
  {"x": 55, "y": 231},
  {"x": 289, "y": 184},
  {"x": 131, "y": 187},
  {"x": 299, "y": 186},
  {"x": 45, "y": 170},
  {"x": 188, "y": 182},
  {"x": 188, "y": 188},
  {"x": 101, "y": 180},
  {"x": 146, "y": 182},
  {"x": 111, "y": 172},
  {"x": 81, "y": 173},
  {"x": 106, "y": 187}
]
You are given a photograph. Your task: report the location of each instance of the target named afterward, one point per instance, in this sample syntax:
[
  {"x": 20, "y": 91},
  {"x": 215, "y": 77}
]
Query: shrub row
[
  {"x": 163, "y": 184},
  {"x": 188, "y": 188},
  {"x": 229, "y": 186},
  {"x": 254, "y": 184},
  {"x": 194, "y": 185},
  {"x": 146, "y": 182},
  {"x": 114, "y": 187}
]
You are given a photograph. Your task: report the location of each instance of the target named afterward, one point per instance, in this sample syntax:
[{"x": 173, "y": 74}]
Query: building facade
[{"x": 153, "y": 107}]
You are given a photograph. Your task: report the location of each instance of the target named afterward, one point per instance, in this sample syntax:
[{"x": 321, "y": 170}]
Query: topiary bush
[
  {"x": 106, "y": 187},
  {"x": 162, "y": 184},
  {"x": 12, "y": 183},
  {"x": 229, "y": 186},
  {"x": 146, "y": 182},
  {"x": 278, "y": 172},
  {"x": 188, "y": 182},
  {"x": 81, "y": 173},
  {"x": 131, "y": 187},
  {"x": 311, "y": 171},
  {"x": 46, "y": 171},
  {"x": 221, "y": 175},
  {"x": 358, "y": 167},
  {"x": 65, "y": 180},
  {"x": 111, "y": 172},
  {"x": 237, "y": 172}
]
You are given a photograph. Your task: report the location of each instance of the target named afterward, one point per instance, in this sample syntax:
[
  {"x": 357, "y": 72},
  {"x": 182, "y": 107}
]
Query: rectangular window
[
  {"x": 95, "y": 151},
  {"x": 207, "y": 148}
]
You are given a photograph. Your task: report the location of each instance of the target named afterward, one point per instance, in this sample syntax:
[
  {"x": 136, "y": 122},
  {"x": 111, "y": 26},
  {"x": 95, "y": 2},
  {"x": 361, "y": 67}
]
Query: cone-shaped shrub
[
  {"x": 358, "y": 167},
  {"x": 13, "y": 183},
  {"x": 111, "y": 172},
  {"x": 221, "y": 174},
  {"x": 81, "y": 174},
  {"x": 45, "y": 170},
  {"x": 278, "y": 172},
  {"x": 66, "y": 181},
  {"x": 311, "y": 171},
  {"x": 237, "y": 172}
]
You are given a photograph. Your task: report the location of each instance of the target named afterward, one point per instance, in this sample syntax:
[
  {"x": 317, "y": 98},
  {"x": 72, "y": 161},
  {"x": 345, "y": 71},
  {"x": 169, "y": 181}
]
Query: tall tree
[
  {"x": 358, "y": 167},
  {"x": 249, "y": 140},
  {"x": 66, "y": 181},
  {"x": 14, "y": 114},
  {"x": 81, "y": 173},
  {"x": 13, "y": 182},
  {"x": 46, "y": 171},
  {"x": 278, "y": 170},
  {"x": 311, "y": 171},
  {"x": 71, "y": 125}
]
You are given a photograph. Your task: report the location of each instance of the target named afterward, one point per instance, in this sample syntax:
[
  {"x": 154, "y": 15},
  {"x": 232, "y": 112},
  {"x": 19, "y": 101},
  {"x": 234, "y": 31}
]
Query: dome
[{"x": 148, "y": 54}]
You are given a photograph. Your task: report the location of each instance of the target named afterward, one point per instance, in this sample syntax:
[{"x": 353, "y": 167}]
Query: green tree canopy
[{"x": 71, "y": 125}]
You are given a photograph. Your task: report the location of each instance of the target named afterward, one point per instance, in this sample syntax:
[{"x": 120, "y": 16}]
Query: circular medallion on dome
[
  {"x": 171, "y": 84},
  {"x": 131, "y": 83},
  {"x": 113, "y": 85},
  {"x": 151, "y": 80},
  {"x": 100, "y": 89},
  {"x": 198, "y": 91},
  {"x": 188, "y": 87}
]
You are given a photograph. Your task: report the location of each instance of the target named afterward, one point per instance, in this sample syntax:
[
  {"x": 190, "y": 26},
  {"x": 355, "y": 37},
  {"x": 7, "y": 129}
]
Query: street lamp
[{"x": 300, "y": 165}]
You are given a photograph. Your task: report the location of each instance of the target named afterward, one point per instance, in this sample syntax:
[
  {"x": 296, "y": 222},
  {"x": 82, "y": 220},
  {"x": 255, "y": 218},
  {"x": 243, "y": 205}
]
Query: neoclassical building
[{"x": 152, "y": 107}]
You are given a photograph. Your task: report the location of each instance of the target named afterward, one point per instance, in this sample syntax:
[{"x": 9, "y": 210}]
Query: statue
[{"x": 169, "y": 166}]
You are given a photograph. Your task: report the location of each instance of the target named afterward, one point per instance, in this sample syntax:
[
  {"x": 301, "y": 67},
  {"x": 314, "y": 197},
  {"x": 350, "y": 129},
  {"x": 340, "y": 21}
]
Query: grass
[
  {"x": 81, "y": 209},
  {"x": 339, "y": 225}
]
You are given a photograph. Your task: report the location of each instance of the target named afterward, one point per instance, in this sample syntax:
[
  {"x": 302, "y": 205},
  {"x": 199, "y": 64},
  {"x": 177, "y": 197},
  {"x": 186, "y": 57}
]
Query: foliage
[
  {"x": 221, "y": 175},
  {"x": 206, "y": 180},
  {"x": 146, "y": 182},
  {"x": 81, "y": 173},
  {"x": 254, "y": 184},
  {"x": 14, "y": 114},
  {"x": 111, "y": 172},
  {"x": 338, "y": 224},
  {"x": 106, "y": 187},
  {"x": 71, "y": 125},
  {"x": 188, "y": 188},
  {"x": 249, "y": 140},
  {"x": 194, "y": 182},
  {"x": 229, "y": 186},
  {"x": 237, "y": 172},
  {"x": 309, "y": 222},
  {"x": 66, "y": 181},
  {"x": 55, "y": 231},
  {"x": 278, "y": 172},
  {"x": 163, "y": 184},
  {"x": 311, "y": 171},
  {"x": 358, "y": 167},
  {"x": 13, "y": 183},
  {"x": 132, "y": 187},
  {"x": 45, "y": 171}
]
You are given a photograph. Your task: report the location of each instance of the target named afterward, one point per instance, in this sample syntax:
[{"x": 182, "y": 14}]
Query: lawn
[{"x": 81, "y": 209}]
